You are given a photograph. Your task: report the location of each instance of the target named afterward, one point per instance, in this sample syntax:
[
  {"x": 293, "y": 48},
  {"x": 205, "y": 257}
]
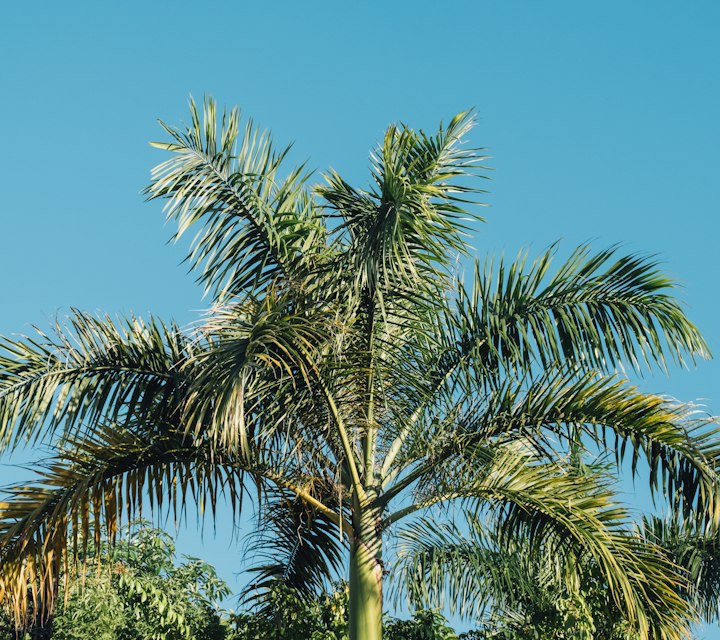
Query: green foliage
[
  {"x": 349, "y": 378},
  {"x": 134, "y": 591},
  {"x": 560, "y": 613},
  {"x": 424, "y": 625},
  {"x": 284, "y": 614},
  {"x": 695, "y": 547}
]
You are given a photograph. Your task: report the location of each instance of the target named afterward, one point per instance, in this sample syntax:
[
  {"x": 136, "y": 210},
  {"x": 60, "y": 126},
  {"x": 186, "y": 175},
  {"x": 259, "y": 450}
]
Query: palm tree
[
  {"x": 510, "y": 588},
  {"x": 514, "y": 585},
  {"x": 347, "y": 378},
  {"x": 693, "y": 545}
]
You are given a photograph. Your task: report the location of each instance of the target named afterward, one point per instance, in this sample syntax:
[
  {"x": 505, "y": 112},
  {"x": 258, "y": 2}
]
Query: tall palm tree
[{"x": 347, "y": 378}]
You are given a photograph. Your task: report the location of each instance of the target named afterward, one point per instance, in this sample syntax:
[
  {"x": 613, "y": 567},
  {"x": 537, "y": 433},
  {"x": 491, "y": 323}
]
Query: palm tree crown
[{"x": 350, "y": 380}]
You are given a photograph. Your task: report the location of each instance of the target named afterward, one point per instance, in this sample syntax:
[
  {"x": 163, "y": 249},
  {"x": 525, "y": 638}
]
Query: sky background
[{"x": 601, "y": 120}]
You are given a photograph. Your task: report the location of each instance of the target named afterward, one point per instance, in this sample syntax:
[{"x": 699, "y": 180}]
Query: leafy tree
[
  {"x": 134, "y": 591},
  {"x": 425, "y": 625},
  {"x": 347, "y": 377},
  {"x": 281, "y": 613}
]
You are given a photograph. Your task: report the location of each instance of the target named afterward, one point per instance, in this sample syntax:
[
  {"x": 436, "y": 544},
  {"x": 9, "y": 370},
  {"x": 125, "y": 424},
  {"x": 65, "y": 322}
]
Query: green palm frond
[
  {"x": 558, "y": 522},
  {"x": 548, "y": 413},
  {"x": 597, "y": 311},
  {"x": 678, "y": 442},
  {"x": 92, "y": 369},
  {"x": 439, "y": 564},
  {"x": 695, "y": 546},
  {"x": 413, "y": 221},
  {"x": 254, "y": 372},
  {"x": 294, "y": 545},
  {"x": 254, "y": 223}
]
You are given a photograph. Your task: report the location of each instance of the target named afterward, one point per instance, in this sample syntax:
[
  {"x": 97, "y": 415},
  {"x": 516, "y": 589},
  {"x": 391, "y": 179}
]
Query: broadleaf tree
[
  {"x": 347, "y": 379},
  {"x": 136, "y": 590}
]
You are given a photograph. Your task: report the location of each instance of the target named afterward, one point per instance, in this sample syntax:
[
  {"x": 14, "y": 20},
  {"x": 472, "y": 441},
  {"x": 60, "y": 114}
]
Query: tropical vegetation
[
  {"x": 135, "y": 590},
  {"x": 351, "y": 384},
  {"x": 132, "y": 590}
]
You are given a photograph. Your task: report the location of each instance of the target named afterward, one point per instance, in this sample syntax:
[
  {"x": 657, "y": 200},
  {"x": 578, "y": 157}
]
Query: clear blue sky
[{"x": 602, "y": 120}]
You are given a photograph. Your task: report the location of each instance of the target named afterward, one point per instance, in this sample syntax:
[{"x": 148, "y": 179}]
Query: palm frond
[
  {"x": 96, "y": 481},
  {"x": 254, "y": 223},
  {"x": 294, "y": 545},
  {"x": 551, "y": 412},
  {"x": 91, "y": 486},
  {"x": 92, "y": 369},
  {"x": 597, "y": 311},
  {"x": 695, "y": 546},
  {"x": 439, "y": 564},
  {"x": 253, "y": 380},
  {"x": 560, "y": 517},
  {"x": 414, "y": 218}
]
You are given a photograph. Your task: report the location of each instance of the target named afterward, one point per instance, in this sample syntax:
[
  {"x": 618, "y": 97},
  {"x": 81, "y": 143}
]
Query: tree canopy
[{"x": 350, "y": 380}]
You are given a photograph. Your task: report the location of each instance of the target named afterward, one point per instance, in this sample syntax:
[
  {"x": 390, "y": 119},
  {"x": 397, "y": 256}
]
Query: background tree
[
  {"x": 134, "y": 590},
  {"x": 349, "y": 378},
  {"x": 282, "y": 613},
  {"x": 515, "y": 589},
  {"x": 509, "y": 588}
]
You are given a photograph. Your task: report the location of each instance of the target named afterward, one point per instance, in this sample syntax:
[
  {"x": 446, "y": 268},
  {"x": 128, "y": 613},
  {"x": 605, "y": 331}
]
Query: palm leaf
[
  {"x": 254, "y": 224},
  {"x": 93, "y": 484},
  {"x": 294, "y": 545},
  {"x": 415, "y": 216},
  {"x": 693, "y": 545},
  {"x": 256, "y": 365},
  {"x": 551, "y": 412},
  {"x": 597, "y": 311},
  {"x": 91, "y": 369},
  {"x": 553, "y": 518}
]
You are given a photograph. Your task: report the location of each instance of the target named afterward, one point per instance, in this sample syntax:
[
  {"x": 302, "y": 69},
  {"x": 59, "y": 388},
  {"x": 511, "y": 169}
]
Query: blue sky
[{"x": 601, "y": 119}]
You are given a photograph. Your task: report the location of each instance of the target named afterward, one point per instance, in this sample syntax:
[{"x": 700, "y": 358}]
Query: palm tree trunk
[{"x": 366, "y": 573}]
